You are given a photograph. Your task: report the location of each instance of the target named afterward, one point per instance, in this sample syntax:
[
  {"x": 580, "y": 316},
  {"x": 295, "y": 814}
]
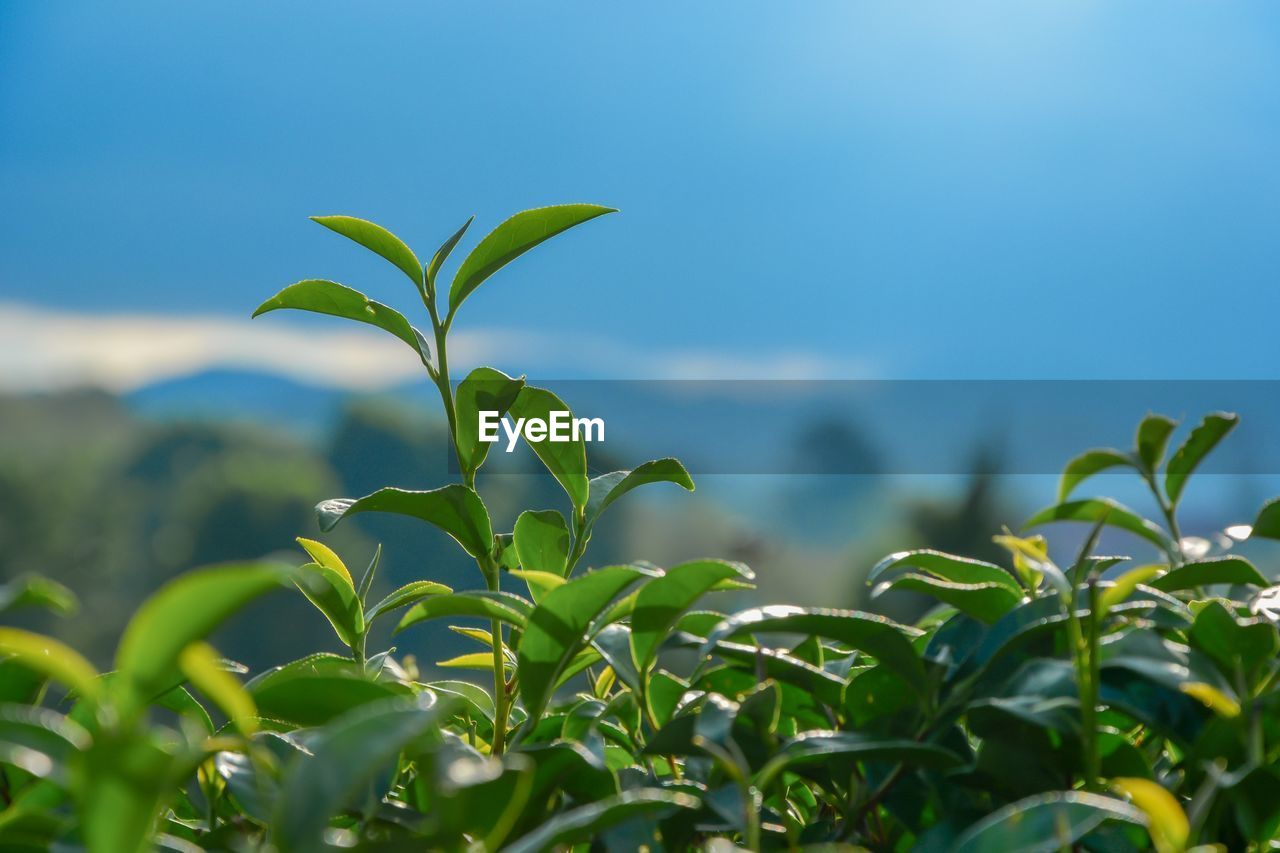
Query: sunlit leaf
[
  {"x": 984, "y": 601},
  {"x": 1152, "y": 439},
  {"x": 1126, "y": 584},
  {"x": 334, "y": 596},
  {"x": 542, "y": 541},
  {"x": 502, "y": 606},
  {"x": 883, "y": 639},
  {"x": 947, "y": 567},
  {"x": 183, "y": 611},
  {"x": 378, "y": 240},
  {"x": 337, "y": 300},
  {"x": 442, "y": 254},
  {"x": 586, "y": 822},
  {"x": 1044, "y": 823},
  {"x": 325, "y": 556},
  {"x": 1166, "y": 821},
  {"x": 557, "y": 629},
  {"x": 410, "y": 593},
  {"x": 1093, "y": 510},
  {"x": 315, "y": 689},
  {"x": 607, "y": 488},
  {"x": 455, "y": 509},
  {"x": 203, "y": 668},
  {"x": 662, "y": 601},
  {"x": 37, "y": 591},
  {"x": 512, "y": 239},
  {"x": 1217, "y": 570},
  {"x": 483, "y": 390},
  {"x": 566, "y": 460},
  {"x": 1202, "y": 440},
  {"x": 345, "y": 757},
  {"x": 1267, "y": 526},
  {"x": 50, "y": 658},
  {"x": 1086, "y": 465}
]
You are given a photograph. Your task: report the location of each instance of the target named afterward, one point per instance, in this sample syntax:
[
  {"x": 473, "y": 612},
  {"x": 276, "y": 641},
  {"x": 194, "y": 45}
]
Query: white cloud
[{"x": 45, "y": 349}]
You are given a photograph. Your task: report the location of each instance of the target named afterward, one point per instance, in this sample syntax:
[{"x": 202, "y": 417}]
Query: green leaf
[
  {"x": 662, "y": 601},
  {"x": 442, "y": 254},
  {"x": 885, "y": 640},
  {"x": 181, "y": 702},
  {"x": 484, "y": 390},
  {"x": 378, "y": 240},
  {"x": 948, "y": 568},
  {"x": 470, "y": 697},
  {"x": 539, "y": 583},
  {"x": 203, "y": 668},
  {"x": 183, "y": 611},
  {"x": 36, "y": 591},
  {"x": 607, "y": 488},
  {"x": 1152, "y": 439},
  {"x": 986, "y": 602},
  {"x": 1044, "y": 823},
  {"x": 51, "y": 659},
  {"x": 1202, "y": 440},
  {"x": 410, "y": 593},
  {"x": 502, "y": 606},
  {"x": 346, "y": 757},
  {"x": 338, "y": 300},
  {"x": 455, "y": 509},
  {"x": 334, "y": 596},
  {"x": 255, "y": 785},
  {"x": 315, "y": 689},
  {"x": 512, "y": 239},
  {"x": 1086, "y": 465},
  {"x": 122, "y": 785},
  {"x": 1217, "y": 570},
  {"x": 821, "y": 747},
  {"x": 587, "y": 822},
  {"x": 1267, "y": 525},
  {"x": 566, "y": 460},
  {"x": 1093, "y": 510},
  {"x": 366, "y": 582},
  {"x": 40, "y": 741},
  {"x": 557, "y": 630},
  {"x": 785, "y": 667},
  {"x": 542, "y": 541},
  {"x": 1236, "y": 648}
]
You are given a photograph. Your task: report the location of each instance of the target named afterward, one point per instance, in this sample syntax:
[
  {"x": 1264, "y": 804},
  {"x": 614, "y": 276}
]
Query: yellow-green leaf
[
  {"x": 202, "y": 666},
  {"x": 325, "y": 556},
  {"x": 1126, "y": 583},
  {"x": 50, "y": 658},
  {"x": 1212, "y": 698},
  {"x": 1166, "y": 821}
]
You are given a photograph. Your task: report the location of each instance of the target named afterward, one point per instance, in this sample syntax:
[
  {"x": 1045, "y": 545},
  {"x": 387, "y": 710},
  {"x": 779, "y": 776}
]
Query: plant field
[{"x": 1095, "y": 705}]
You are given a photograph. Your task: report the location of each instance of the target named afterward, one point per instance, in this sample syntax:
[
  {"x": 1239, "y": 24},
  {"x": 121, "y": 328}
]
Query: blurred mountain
[{"x": 239, "y": 395}]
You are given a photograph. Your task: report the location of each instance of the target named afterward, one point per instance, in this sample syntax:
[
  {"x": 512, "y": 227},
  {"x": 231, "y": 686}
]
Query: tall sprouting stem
[{"x": 486, "y": 564}]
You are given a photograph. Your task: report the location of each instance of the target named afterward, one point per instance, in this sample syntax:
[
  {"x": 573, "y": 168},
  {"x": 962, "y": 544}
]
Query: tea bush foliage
[{"x": 1095, "y": 705}]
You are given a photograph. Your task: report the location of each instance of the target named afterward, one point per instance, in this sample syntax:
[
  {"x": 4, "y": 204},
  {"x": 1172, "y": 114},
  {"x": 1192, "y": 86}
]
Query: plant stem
[
  {"x": 1093, "y": 758},
  {"x": 1170, "y": 517},
  {"x": 1088, "y": 708},
  {"x": 488, "y": 568},
  {"x": 580, "y": 538},
  {"x": 357, "y": 650}
]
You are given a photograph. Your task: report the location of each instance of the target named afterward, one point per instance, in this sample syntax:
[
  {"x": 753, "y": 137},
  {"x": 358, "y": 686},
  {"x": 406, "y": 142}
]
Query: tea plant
[{"x": 1037, "y": 706}]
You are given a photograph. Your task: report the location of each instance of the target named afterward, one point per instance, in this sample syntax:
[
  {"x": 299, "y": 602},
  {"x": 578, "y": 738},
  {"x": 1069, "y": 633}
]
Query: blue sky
[{"x": 1050, "y": 189}]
